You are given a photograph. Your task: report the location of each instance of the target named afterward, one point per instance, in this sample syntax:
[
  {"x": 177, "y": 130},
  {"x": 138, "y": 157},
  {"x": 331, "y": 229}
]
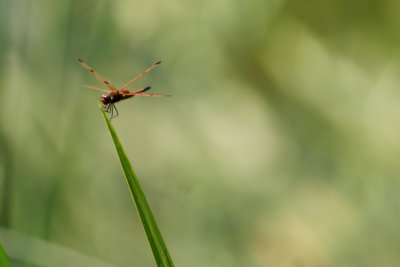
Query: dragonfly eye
[{"x": 104, "y": 99}]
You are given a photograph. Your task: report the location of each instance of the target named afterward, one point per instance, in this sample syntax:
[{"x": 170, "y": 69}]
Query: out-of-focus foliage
[
  {"x": 4, "y": 261},
  {"x": 288, "y": 110}
]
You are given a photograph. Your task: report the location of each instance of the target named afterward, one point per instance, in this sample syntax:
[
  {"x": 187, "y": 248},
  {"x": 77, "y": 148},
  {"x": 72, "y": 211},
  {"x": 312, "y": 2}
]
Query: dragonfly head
[{"x": 105, "y": 99}]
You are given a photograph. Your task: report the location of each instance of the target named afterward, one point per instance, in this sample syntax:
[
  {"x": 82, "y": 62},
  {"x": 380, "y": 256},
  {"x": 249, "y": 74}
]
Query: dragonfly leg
[
  {"x": 112, "y": 111},
  {"x": 116, "y": 111},
  {"x": 108, "y": 108}
]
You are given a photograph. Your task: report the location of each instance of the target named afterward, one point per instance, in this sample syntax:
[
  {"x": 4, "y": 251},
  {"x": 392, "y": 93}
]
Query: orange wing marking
[
  {"x": 98, "y": 76},
  {"x": 140, "y": 75}
]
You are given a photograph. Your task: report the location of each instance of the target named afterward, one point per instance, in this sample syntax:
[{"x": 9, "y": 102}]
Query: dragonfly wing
[
  {"x": 96, "y": 88},
  {"x": 140, "y": 92},
  {"x": 98, "y": 76},
  {"x": 140, "y": 75},
  {"x": 143, "y": 94}
]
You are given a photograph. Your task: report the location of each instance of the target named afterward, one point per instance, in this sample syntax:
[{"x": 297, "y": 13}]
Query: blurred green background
[{"x": 279, "y": 147}]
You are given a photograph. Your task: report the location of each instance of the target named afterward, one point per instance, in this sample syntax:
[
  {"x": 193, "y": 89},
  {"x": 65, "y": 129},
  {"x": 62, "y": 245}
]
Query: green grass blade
[
  {"x": 4, "y": 261},
  {"x": 153, "y": 234}
]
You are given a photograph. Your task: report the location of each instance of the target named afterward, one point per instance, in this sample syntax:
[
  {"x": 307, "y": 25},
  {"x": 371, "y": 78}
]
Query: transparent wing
[
  {"x": 96, "y": 88},
  {"x": 140, "y": 92},
  {"x": 98, "y": 76},
  {"x": 140, "y": 75}
]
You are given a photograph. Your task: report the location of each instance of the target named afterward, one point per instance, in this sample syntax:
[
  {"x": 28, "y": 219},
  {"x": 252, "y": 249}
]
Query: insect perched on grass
[{"x": 115, "y": 95}]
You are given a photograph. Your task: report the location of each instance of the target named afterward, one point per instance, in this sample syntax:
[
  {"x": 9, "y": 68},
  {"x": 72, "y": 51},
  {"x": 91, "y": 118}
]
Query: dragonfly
[{"x": 113, "y": 95}]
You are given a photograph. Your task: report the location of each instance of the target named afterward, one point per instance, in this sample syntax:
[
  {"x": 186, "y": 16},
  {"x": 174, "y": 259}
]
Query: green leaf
[
  {"x": 4, "y": 261},
  {"x": 153, "y": 234}
]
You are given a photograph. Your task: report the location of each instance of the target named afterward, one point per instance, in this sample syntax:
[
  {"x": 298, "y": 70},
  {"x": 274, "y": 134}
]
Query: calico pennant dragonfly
[{"x": 115, "y": 95}]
